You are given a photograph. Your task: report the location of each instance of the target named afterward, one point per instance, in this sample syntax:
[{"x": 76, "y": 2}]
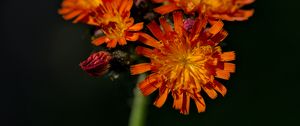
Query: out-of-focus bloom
[
  {"x": 81, "y": 10},
  {"x": 184, "y": 63},
  {"x": 229, "y": 10},
  {"x": 138, "y": 2},
  {"x": 97, "y": 64},
  {"x": 188, "y": 24},
  {"x": 113, "y": 16}
]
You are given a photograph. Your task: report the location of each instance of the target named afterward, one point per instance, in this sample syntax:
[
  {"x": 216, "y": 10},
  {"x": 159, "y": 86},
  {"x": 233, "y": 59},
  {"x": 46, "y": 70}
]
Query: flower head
[
  {"x": 184, "y": 63},
  {"x": 229, "y": 10},
  {"x": 113, "y": 16},
  {"x": 81, "y": 10},
  {"x": 97, "y": 64}
]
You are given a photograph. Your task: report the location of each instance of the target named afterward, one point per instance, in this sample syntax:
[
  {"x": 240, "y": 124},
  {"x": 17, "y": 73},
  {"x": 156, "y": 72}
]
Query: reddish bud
[
  {"x": 97, "y": 64},
  {"x": 188, "y": 24}
]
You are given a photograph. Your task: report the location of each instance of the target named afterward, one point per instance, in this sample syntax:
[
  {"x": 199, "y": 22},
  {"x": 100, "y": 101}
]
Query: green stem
[{"x": 138, "y": 111}]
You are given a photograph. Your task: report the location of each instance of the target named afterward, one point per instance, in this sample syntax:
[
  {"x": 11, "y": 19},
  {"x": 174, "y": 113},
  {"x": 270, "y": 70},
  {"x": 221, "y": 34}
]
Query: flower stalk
[{"x": 140, "y": 102}]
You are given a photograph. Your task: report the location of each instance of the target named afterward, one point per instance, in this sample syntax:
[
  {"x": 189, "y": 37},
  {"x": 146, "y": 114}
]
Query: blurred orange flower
[
  {"x": 184, "y": 62},
  {"x": 113, "y": 16},
  {"x": 81, "y": 10},
  {"x": 229, "y": 10}
]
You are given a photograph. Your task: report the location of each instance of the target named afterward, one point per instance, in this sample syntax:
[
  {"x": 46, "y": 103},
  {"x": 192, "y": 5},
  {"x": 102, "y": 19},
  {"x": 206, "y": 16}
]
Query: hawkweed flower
[
  {"x": 81, "y": 10},
  {"x": 184, "y": 63},
  {"x": 113, "y": 16},
  {"x": 229, "y": 10},
  {"x": 97, "y": 64}
]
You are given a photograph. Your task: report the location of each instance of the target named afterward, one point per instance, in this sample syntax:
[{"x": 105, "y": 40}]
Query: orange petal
[
  {"x": 150, "y": 88},
  {"x": 64, "y": 10},
  {"x": 148, "y": 40},
  {"x": 178, "y": 22},
  {"x": 246, "y": 14},
  {"x": 185, "y": 104},
  {"x": 112, "y": 43},
  {"x": 200, "y": 24},
  {"x": 177, "y": 103},
  {"x": 80, "y": 17},
  {"x": 222, "y": 74},
  {"x": 123, "y": 6},
  {"x": 91, "y": 21},
  {"x": 239, "y": 15},
  {"x": 155, "y": 29},
  {"x": 150, "y": 79},
  {"x": 166, "y": 26},
  {"x": 140, "y": 68},
  {"x": 143, "y": 51},
  {"x": 228, "y": 56},
  {"x": 245, "y": 1},
  {"x": 122, "y": 41},
  {"x": 216, "y": 27},
  {"x": 100, "y": 40},
  {"x": 166, "y": 9},
  {"x": 72, "y": 15},
  {"x": 132, "y": 36},
  {"x": 136, "y": 27},
  {"x": 220, "y": 88},
  {"x": 129, "y": 5},
  {"x": 210, "y": 92},
  {"x": 230, "y": 67},
  {"x": 161, "y": 99},
  {"x": 199, "y": 101},
  {"x": 149, "y": 85},
  {"x": 219, "y": 37},
  {"x": 68, "y": 3}
]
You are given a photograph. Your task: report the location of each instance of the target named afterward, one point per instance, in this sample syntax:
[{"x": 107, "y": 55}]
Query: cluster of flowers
[{"x": 185, "y": 56}]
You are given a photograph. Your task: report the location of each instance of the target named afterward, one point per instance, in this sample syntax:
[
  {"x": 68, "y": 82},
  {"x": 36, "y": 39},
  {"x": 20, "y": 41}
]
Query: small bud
[
  {"x": 97, "y": 64},
  {"x": 188, "y": 24}
]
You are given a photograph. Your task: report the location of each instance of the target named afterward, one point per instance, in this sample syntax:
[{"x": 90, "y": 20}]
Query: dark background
[{"x": 42, "y": 84}]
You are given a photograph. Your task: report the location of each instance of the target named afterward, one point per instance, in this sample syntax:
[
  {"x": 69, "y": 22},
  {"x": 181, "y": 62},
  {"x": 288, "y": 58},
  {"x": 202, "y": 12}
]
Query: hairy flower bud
[{"x": 97, "y": 64}]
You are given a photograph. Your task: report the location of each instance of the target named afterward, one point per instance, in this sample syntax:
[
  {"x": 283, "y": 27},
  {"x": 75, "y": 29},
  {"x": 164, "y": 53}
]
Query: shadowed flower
[
  {"x": 229, "y": 10},
  {"x": 81, "y": 10},
  {"x": 115, "y": 21},
  {"x": 184, "y": 63},
  {"x": 96, "y": 64},
  {"x": 188, "y": 24}
]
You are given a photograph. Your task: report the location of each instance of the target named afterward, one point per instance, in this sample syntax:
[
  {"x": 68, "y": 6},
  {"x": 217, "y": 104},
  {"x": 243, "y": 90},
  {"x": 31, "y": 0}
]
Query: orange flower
[
  {"x": 184, "y": 62},
  {"x": 216, "y": 9},
  {"x": 114, "y": 19},
  {"x": 81, "y": 9}
]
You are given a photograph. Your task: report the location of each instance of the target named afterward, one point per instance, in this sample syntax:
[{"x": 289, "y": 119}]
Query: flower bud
[
  {"x": 188, "y": 24},
  {"x": 97, "y": 64}
]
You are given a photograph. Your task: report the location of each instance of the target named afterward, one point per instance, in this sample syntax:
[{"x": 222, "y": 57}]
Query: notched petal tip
[
  {"x": 228, "y": 56},
  {"x": 161, "y": 99}
]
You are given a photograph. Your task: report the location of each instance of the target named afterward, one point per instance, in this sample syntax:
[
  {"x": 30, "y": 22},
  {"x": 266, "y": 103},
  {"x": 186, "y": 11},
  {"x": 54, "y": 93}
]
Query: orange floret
[
  {"x": 81, "y": 10},
  {"x": 113, "y": 17},
  {"x": 229, "y": 10},
  {"x": 182, "y": 62}
]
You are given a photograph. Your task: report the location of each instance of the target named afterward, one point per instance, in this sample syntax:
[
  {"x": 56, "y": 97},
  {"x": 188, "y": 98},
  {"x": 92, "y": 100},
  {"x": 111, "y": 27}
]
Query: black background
[{"x": 42, "y": 85}]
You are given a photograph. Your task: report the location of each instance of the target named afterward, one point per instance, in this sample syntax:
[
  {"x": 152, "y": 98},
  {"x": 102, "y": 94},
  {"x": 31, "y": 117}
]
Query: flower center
[
  {"x": 114, "y": 28},
  {"x": 184, "y": 66}
]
